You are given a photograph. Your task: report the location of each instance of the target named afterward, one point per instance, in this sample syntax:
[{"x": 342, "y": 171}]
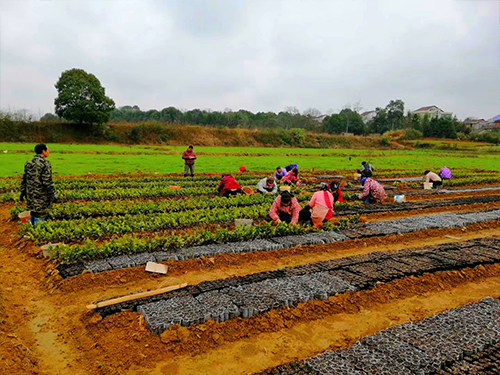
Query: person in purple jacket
[
  {"x": 279, "y": 174},
  {"x": 445, "y": 173}
]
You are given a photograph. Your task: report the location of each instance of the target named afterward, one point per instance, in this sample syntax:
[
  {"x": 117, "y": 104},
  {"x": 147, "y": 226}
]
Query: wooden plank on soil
[
  {"x": 453, "y": 237},
  {"x": 132, "y": 297}
]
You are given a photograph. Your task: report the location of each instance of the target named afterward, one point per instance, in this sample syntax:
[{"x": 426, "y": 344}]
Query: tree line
[{"x": 81, "y": 99}]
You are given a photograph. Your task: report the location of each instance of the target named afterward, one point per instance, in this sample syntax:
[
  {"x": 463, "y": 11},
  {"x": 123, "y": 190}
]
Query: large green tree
[
  {"x": 395, "y": 113},
  {"x": 81, "y": 98}
]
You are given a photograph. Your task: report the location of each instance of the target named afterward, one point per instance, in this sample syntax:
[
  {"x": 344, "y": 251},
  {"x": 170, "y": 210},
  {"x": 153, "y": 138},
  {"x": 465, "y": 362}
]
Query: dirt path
[{"x": 30, "y": 342}]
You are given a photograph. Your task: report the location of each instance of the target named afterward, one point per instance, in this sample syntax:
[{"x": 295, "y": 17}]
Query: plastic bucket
[
  {"x": 399, "y": 199},
  {"x": 427, "y": 185},
  {"x": 24, "y": 216},
  {"x": 356, "y": 176}
]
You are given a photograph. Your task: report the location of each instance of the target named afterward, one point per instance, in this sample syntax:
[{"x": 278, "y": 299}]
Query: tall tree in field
[
  {"x": 81, "y": 98},
  {"x": 395, "y": 112}
]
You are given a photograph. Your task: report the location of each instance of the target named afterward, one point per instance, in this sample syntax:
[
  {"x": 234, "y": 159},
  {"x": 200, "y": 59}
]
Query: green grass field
[{"x": 83, "y": 159}]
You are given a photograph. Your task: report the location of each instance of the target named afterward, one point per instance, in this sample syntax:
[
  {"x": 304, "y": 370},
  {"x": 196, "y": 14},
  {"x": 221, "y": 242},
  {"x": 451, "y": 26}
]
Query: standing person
[
  {"x": 228, "y": 186},
  {"x": 189, "y": 157},
  {"x": 37, "y": 186},
  {"x": 372, "y": 191},
  {"x": 336, "y": 192},
  {"x": 292, "y": 177},
  {"x": 279, "y": 174},
  {"x": 434, "y": 178},
  {"x": 288, "y": 168},
  {"x": 285, "y": 208},
  {"x": 320, "y": 206},
  {"x": 267, "y": 186},
  {"x": 445, "y": 173},
  {"x": 366, "y": 170}
]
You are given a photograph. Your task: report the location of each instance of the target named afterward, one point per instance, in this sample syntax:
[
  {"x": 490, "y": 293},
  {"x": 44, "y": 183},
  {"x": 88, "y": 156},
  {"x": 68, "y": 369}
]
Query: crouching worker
[
  {"x": 37, "y": 186},
  {"x": 292, "y": 177},
  {"x": 366, "y": 170},
  {"x": 228, "y": 186},
  {"x": 320, "y": 207},
  {"x": 334, "y": 187},
  {"x": 285, "y": 209},
  {"x": 445, "y": 173},
  {"x": 373, "y": 192},
  {"x": 267, "y": 186},
  {"x": 434, "y": 178}
]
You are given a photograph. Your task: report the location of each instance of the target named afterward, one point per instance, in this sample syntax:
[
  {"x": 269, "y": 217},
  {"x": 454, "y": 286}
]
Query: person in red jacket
[
  {"x": 228, "y": 186},
  {"x": 292, "y": 177},
  {"x": 189, "y": 157},
  {"x": 334, "y": 187}
]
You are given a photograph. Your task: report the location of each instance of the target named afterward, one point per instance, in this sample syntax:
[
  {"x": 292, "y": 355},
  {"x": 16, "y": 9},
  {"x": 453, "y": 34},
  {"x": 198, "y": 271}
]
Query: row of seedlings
[{"x": 396, "y": 226}]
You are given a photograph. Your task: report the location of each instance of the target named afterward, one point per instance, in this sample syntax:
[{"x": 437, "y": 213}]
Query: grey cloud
[{"x": 256, "y": 55}]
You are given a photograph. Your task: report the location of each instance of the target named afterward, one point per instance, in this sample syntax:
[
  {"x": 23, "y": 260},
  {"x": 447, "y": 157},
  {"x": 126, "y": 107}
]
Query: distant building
[
  {"x": 476, "y": 123},
  {"x": 433, "y": 112},
  {"x": 495, "y": 120},
  {"x": 368, "y": 116}
]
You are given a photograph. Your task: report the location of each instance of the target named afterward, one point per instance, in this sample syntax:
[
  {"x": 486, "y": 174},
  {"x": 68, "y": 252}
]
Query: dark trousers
[
  {"x": 285, "y": 218},
  {"x": 370, "y": 199},
  {"x": 436, "y": 184},
  {"x": 228, "y": 193},
  {"x": 305, "y": 216},
  {"x": 365, "y": 173},
  {"x": 188, "y": 168}
]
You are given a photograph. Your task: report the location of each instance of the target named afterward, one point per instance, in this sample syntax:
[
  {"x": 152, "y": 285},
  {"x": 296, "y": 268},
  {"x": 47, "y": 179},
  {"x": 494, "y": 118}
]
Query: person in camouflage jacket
[{"x": 37, "y": 186}]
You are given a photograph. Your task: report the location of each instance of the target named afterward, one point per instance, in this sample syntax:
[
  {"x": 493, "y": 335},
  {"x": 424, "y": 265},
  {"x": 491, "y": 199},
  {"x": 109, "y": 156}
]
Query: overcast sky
[{"x": 256, "y": 55}]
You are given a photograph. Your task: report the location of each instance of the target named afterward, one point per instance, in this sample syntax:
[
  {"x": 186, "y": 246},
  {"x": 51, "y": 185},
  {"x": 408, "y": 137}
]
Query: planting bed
[
  {"x": 368, "y": 285},
  {"x": 379, "y": 228},
  {"x": 257, "y": 293},
  {"x": 458, "y": 341}
]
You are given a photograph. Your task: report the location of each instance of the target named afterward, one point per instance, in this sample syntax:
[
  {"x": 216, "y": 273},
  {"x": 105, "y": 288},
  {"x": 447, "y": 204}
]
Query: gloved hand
[{"x": 56, "y": 196}]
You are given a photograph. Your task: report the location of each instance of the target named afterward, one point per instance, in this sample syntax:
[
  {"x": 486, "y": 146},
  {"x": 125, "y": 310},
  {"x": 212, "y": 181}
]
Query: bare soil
[{"x": 45, "y": 327}]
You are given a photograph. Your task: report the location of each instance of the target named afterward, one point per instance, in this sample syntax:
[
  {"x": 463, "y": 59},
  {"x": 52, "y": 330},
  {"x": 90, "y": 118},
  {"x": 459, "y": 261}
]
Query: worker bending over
[
  {"x": 267, "y": 186},
  {"x": 334, "y": 187},
  {"x": 373, "y": 192},
  {"x": 285, "y": 208},
  {"x": 434, "y": 178},
  {"x": 279, "y": 174},
  {"x": 366, "y": 170},
  {"x": 320, "y": 207},
  {"x": 445, "y": 173},
  {"x": 292, "y": 177},
  {"x": 228, "y": 186}
]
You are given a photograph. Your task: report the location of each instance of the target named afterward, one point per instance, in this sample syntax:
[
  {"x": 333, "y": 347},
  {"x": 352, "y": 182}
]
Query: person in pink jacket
[
  {"x": 285, "y": 208},
  {"x": 320, "y": 207}
]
